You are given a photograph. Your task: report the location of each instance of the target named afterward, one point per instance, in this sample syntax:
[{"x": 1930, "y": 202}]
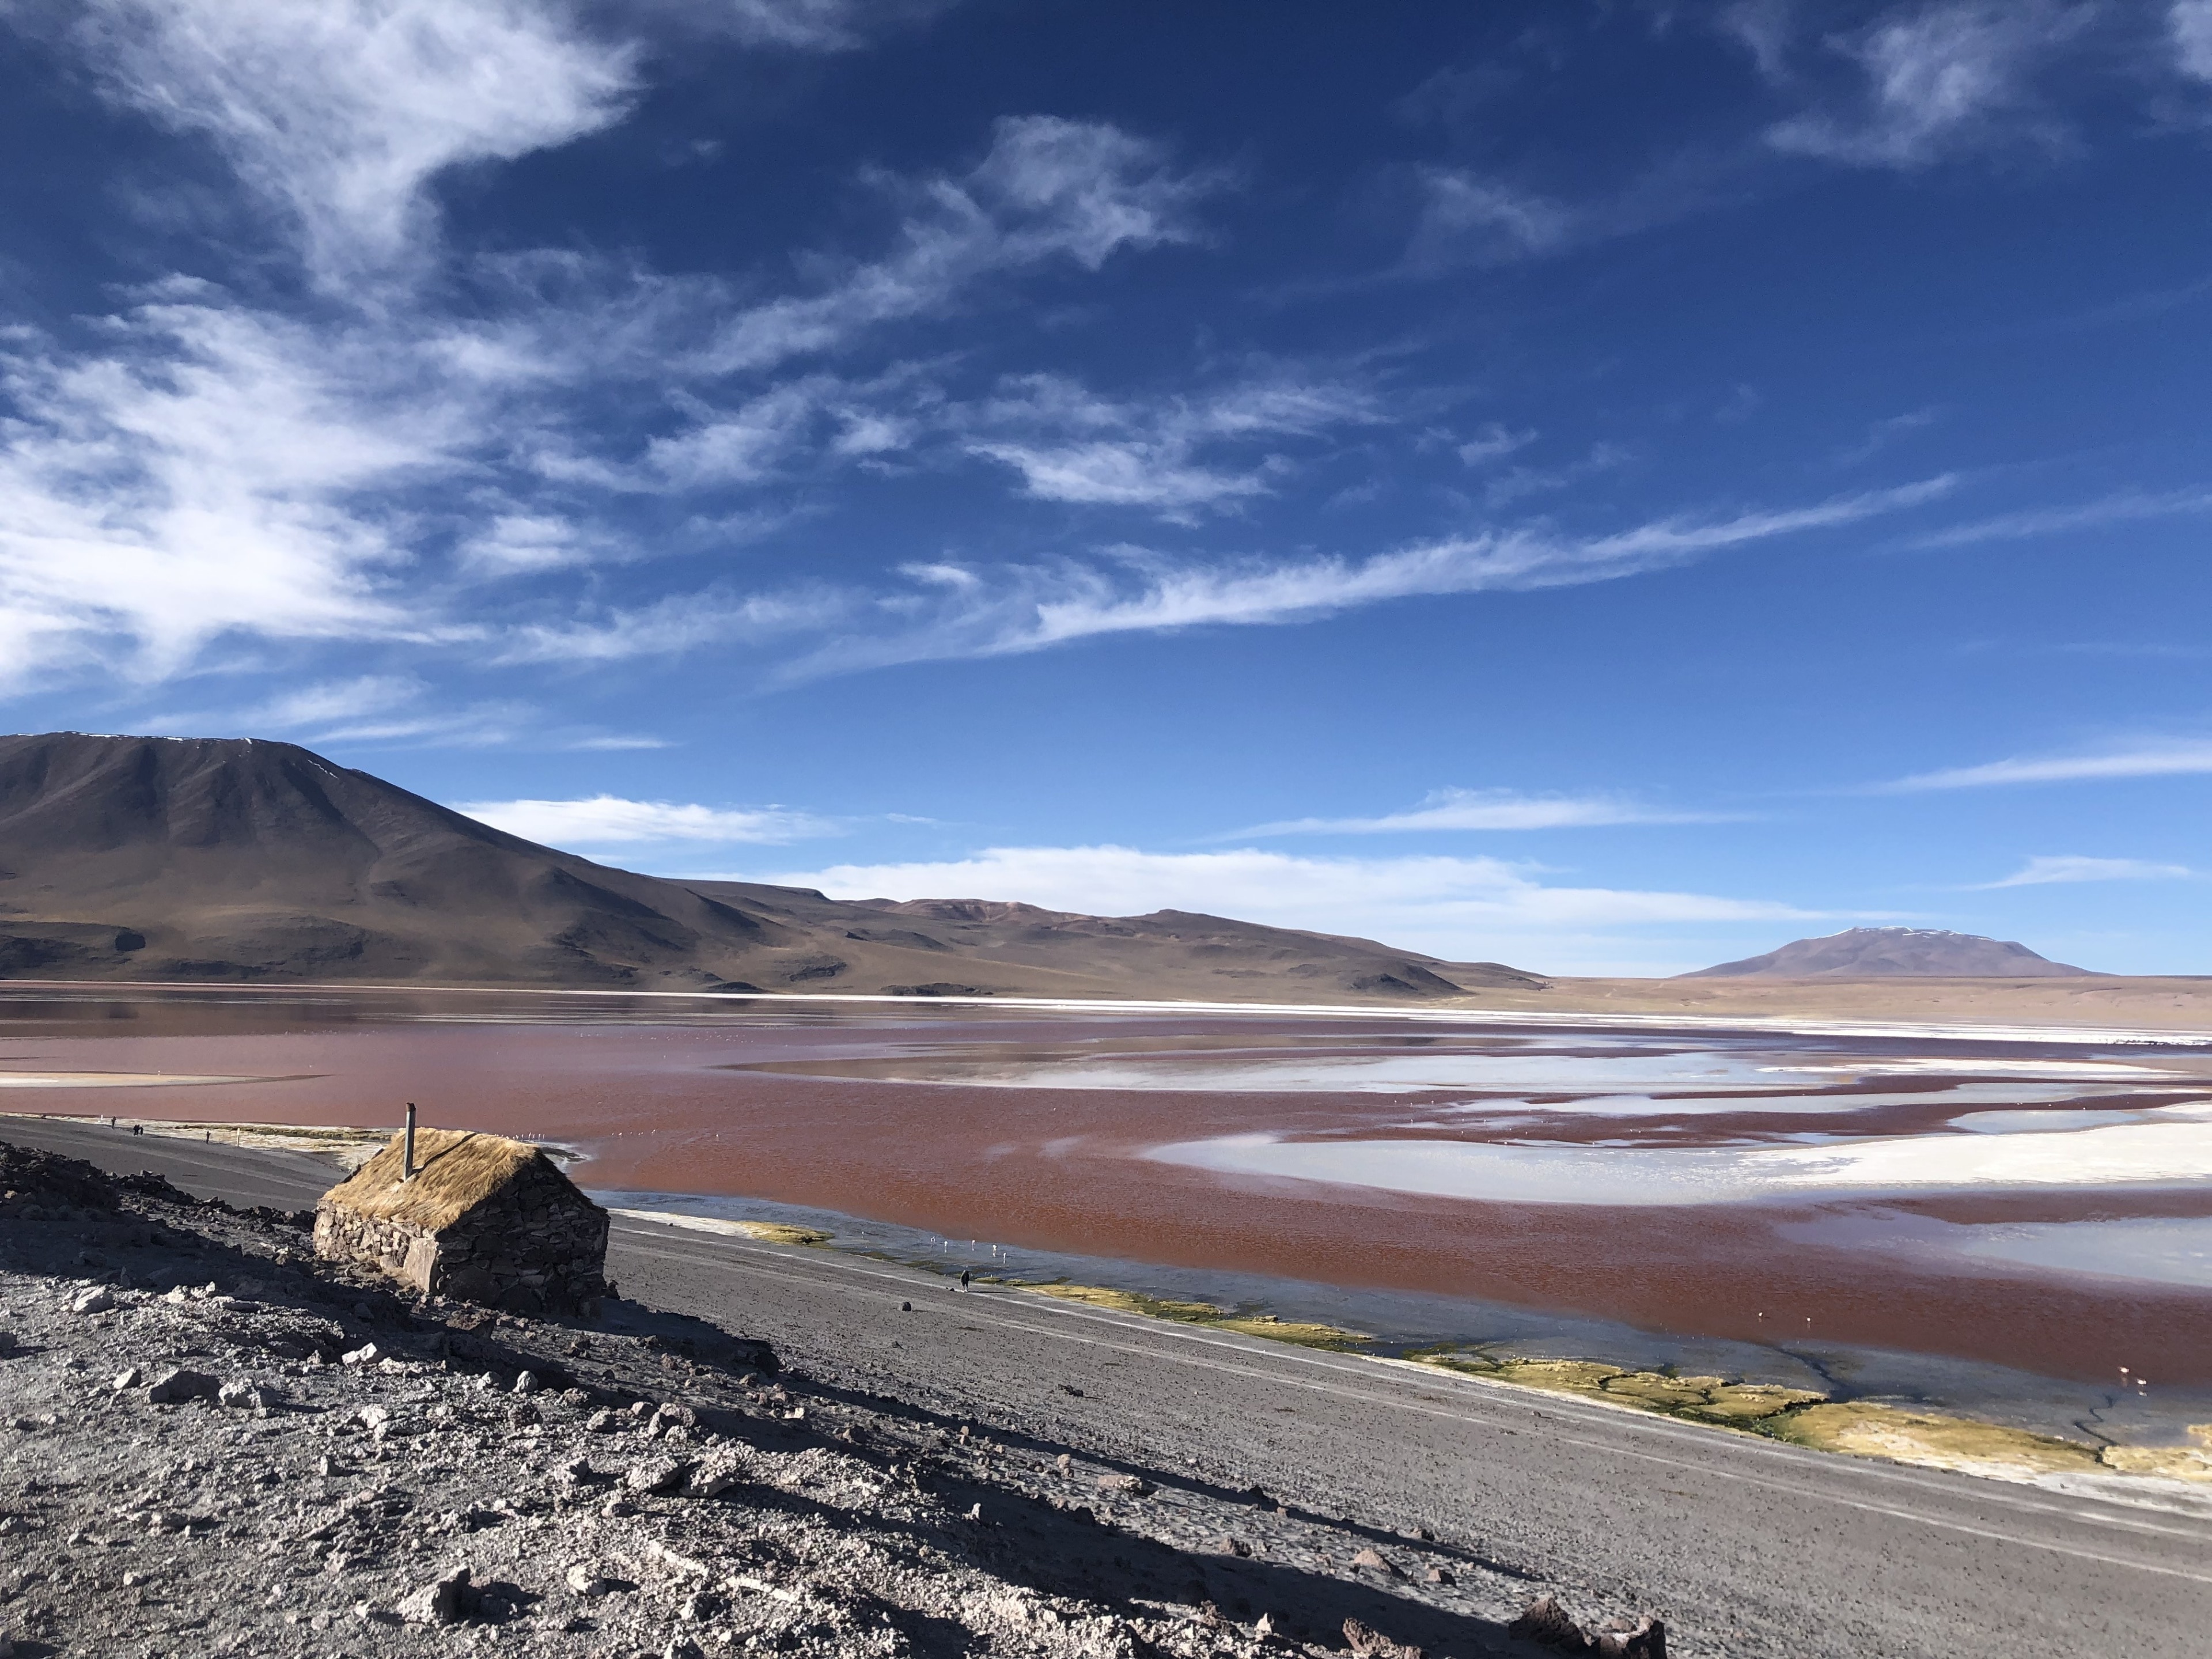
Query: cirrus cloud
[
  {"x": 2042, "y": 871},
  {"x": 611, "y": 821}
]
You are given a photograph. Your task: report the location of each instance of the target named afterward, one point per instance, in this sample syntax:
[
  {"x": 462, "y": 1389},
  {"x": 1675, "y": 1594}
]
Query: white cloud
[
  {"x": 2044, "y": 871},
  {"x": 2189, "y": 23},
  {"x": 341, "y": 112},
  {"x": 2176, "y": 759},
  {"x": 805, "y": 25},
  {"x": 1071, "y": 445},
  {"x": 959, "y": 612},
  {"x": 1050, "y": 190},
  {"x": 332, "y": 701},
  {"x": 2125, "y": 508},
  {"x": 1519, "y": 482},
  {"x": 368, "y": 709},
  {"x": 1494, "y": 442},
  {"x": 1947, "y": 78},
  {"x": 1457, "y": 909},
  {"x": 1487, "y": 809},
  {"x": 611, "y": 821},
  {"x": 1467, "y": 216},
  {"x": 1032, "y": 608},
  {"x": 205, "y": 477},
  {"x": 1881, "y": 434},
  {"x": 522, "y": 544}
]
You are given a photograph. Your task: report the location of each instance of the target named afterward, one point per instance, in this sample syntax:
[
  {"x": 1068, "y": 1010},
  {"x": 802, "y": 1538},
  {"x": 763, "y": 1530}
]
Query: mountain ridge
[
  {"x": 1896, "y": 953},
  {"x": 230, "y": 859}
]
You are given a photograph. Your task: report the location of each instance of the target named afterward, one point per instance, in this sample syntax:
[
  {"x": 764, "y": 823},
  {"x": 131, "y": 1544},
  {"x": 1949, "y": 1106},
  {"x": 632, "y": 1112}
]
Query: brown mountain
[
  {"x": 1896, "y": 953},
  {"x": 231, "y": 859}
]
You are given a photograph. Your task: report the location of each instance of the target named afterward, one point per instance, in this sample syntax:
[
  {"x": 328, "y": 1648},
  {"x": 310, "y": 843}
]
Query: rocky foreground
[{"x": 211, "y": 1442}]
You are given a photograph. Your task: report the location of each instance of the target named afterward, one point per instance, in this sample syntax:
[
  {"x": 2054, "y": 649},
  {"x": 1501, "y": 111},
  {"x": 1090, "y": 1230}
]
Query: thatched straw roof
[{"x": 454, "y": 1170}]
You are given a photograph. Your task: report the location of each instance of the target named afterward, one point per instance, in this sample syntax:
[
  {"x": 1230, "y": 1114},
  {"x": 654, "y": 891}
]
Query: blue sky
[{"x": 1607, "y": 488}]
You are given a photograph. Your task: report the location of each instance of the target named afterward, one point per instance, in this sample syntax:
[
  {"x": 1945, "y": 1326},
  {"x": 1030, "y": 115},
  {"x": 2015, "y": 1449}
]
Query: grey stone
[
  {"x": 245, "y": 1396},
  {"x": 713, "y": 1476},
  {"x": 1370, "y": 1644},
  {"x": 96, "y": 1300},
  {"x": 446, "y": 1600},
  {"x": 526, "y": 1382},
  {"x": 584, "y": 1581},
  {"x": 1375, "y": 1561},
  {"x": 658, "y": 1474},
  {"x": 176, "y": 1385}
]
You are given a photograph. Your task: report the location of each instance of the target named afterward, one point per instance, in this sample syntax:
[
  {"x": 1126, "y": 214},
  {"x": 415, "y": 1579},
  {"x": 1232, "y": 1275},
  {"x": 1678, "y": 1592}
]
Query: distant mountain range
[
  {"x": 1896, "y": 953},
  {"x": 209, "y": 859}
]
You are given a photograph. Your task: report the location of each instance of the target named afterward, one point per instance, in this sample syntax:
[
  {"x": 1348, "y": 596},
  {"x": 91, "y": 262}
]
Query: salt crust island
[
  {"x": 481, "y": 1218},
  {"x": 213, "y": 1443}
]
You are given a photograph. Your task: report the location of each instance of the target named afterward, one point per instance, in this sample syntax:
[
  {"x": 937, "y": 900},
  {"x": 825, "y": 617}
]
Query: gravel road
[{"x": 1744, "y": 1547}]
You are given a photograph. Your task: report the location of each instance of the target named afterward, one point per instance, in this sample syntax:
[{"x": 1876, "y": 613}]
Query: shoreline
[
  {"x": 1696, "y": 1009},
  {"x": 1706, "y": 1382},
  {"x": 2175, "y": 1476}
]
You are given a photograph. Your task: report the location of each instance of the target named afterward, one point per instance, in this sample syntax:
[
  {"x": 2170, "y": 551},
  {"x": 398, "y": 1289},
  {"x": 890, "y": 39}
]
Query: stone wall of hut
[
  {"x": 345, "y": 1235},
  {"x": 535, "y": 1245}
]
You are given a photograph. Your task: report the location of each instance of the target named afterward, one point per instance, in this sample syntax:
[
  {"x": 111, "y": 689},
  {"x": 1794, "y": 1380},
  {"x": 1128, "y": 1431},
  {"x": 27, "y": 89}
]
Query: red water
[{"x": 657, "y": 1108}]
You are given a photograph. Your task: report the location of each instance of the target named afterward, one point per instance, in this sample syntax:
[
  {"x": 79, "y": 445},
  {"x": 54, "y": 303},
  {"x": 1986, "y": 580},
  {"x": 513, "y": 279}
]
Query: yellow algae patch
[
  {"x": 1099, "y": 1296},
  {"x": 1749, "y": 1402},
  {"x": 1934, "y": 1441},
  {"x": 768, "y": 1232},
  {"x": 2174, "y": 1463},
  {"x": 780, "y": 1232},
  {"x": 1700, "y": 1399},
  {"x": 1302, "y": 1333}
]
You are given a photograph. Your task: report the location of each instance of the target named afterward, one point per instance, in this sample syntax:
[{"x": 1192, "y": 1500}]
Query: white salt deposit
[{"x": 2171, "y": 1144}]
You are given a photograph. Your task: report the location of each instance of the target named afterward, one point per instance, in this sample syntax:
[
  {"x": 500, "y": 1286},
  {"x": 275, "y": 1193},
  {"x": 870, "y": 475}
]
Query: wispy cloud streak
[
  {"x": 611, "y": 821},
  {"x": 2045, "y": 872},
  {"x": 1483, "y": 809},
  {"x": 2178, "y": 759}
]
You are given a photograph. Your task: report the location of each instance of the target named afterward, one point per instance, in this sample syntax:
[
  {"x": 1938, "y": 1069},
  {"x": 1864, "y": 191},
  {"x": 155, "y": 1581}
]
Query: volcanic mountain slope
[
  {"x": 1896, "y": 953},
  {"x": 231, "y": 859}
]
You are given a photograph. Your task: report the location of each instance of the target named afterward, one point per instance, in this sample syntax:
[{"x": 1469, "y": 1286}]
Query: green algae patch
[
  {"x": 1301, "y": 1332},
  {"x": 1933, "y": 1440},
  {"x": 1696, "y": 1398}
]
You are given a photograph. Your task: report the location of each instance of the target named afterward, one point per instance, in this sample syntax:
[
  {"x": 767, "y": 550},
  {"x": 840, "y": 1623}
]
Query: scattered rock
[
  {"x": 1374, "y": 1561},
  {"x": 447, "y": 1601},
  {"x": 1134, "y": 1485},
  {"x": 526, "y": 1382},
  {"x": 245, "y": 1396},
  {"x": 1545, "y": 1622},
  {"x": 582, "y": 1581},
  {"x": 95, "y": 1301},
  {"x": 368, "y": 1354},
  {"x": 176, "y": 1385},
  {"x": 1646, "y": 1639},
  {"x": 713, "y": 1476},
  {"x": 1369, "y": 1643},
  {"x": 658, "y": 1474}
]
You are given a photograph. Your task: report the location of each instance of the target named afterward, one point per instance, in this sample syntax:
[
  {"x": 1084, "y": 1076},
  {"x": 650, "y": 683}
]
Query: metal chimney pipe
[{"x": 408, "y": 1167}]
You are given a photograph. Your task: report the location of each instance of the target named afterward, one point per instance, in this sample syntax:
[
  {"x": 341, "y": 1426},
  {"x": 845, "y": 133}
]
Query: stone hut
[{"x": 484, "y": 1218}]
